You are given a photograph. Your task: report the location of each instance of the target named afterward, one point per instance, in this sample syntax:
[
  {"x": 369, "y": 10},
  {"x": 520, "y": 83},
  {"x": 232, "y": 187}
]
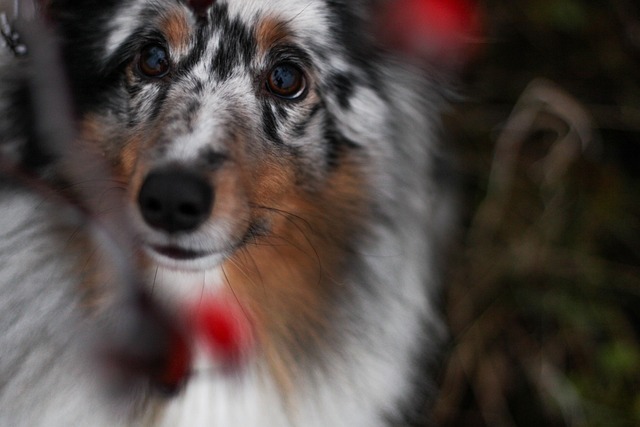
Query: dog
[{"x": 286, "y": 195}]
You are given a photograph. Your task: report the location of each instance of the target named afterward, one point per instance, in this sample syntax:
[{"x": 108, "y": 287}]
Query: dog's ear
[{"x": 428, "y": 32}]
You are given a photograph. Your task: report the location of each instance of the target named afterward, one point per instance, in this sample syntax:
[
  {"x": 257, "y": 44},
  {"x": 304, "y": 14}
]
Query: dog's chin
[{"x": 177, "y": 258}]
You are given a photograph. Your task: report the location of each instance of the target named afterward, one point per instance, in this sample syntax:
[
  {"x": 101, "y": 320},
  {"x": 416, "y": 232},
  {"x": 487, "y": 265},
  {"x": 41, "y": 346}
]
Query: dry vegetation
[{"x": 544, "y": 305}]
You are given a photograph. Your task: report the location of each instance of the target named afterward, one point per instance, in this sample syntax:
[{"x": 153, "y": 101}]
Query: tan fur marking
[
  {"x": 91, "y": 131},
  {"x": 289, "y": 279},
  {"x": 271, "y": 32},
  {"x": 119, "y": 151},
  {"x": 176, "y": 29},
  {"x": 128, "y": 157}
]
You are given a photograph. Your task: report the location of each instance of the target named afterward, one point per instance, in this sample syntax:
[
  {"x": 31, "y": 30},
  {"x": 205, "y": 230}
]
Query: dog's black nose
[{"x": 175, "y": 200}]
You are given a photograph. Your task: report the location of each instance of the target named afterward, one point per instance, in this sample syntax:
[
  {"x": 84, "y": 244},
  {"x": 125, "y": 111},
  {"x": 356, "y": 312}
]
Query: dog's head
[
  {"x": 270, "y": 143},
  {"x": 228, "y": 121}
]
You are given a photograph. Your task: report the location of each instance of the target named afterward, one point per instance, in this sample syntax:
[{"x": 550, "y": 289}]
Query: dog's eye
[
  {"x": 153, "y": 61},
  {"x": 286, "y": 81}
]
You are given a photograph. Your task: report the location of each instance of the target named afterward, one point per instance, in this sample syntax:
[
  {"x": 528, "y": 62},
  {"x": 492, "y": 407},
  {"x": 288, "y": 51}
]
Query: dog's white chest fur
[
  {"x": 250, "y": 399},
  {"x": 213, "y": 398}
]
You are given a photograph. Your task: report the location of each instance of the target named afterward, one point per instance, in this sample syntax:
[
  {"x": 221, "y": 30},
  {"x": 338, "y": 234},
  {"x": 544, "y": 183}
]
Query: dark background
[{"x": 544, "y": 302}]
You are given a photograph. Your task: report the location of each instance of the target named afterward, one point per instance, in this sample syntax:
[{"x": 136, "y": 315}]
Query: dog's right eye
[{"x": 153, "y": 61}]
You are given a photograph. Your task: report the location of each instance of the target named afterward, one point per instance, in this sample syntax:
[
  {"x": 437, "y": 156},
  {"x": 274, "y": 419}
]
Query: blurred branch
[{"x": 540, "y": 101}]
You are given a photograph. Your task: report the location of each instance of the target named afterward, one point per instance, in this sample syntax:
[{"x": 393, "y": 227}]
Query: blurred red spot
[
  {"x": 224, "y": 328},
  {"x": 431, "y": 30}
]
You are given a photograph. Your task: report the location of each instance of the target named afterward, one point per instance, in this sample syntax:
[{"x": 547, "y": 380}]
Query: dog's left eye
[
  {"x": 153, "y": 61},
  {"x": 286, "y": 81}
]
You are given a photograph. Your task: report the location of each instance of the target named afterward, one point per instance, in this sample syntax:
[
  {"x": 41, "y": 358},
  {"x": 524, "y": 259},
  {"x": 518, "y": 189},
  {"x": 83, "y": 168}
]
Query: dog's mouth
[
  {"x": 178, "y": 253},
  {"x": 181, "y": 255},
  {"x": 177, "y": 257}
]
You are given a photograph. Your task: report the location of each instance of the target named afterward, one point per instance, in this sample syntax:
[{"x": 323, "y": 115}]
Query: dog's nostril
[{"x": 175, "y": 200}]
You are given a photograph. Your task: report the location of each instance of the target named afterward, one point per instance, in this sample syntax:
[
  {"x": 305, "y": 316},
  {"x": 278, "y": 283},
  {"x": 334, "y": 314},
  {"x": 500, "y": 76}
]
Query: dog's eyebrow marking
[
  {"x": 271, "y": 32},
  {"x": 176, "y": 30}
]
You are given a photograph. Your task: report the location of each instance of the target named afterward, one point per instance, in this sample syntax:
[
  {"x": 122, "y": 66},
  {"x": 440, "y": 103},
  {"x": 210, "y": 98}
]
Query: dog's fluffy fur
[{"x": 328, "y": 210}]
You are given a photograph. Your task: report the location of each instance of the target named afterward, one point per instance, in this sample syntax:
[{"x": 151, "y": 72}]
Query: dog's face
[{"x": 223, "y": 119}]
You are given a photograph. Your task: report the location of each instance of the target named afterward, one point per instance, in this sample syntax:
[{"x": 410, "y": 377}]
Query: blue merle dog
[{"x": 266, "y": 149}]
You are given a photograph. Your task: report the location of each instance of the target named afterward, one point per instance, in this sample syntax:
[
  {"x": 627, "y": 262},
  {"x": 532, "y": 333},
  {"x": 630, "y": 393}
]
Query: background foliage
[{"x": 544, "y": 305}]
